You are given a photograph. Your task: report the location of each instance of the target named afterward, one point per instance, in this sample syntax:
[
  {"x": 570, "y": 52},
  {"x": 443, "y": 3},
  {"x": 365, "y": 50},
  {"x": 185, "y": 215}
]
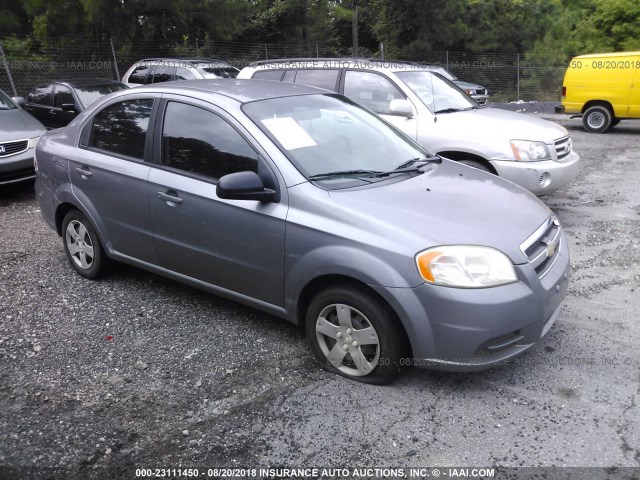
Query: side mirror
[
  {"x": 401, "y": 108},
  {"x": 20, "y": 101},
  {"x": 69, "y": 107},
  {"x": 245, "y": 186}
]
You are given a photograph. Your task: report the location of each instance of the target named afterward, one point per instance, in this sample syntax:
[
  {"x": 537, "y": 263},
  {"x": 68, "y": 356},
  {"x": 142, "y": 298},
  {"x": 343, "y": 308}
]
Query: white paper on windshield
[{"x": 289, "y": 133}]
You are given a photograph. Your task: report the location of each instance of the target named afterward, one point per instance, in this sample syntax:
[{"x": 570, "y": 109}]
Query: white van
[{"x": 531, "y": 152}]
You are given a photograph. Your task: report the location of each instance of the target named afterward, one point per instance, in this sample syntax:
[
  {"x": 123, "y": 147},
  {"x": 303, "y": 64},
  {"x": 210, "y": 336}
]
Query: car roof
[
  {"x": 312, "y": 62},
  {"x": 240, "y": 90},
  {"x": 81, "y": 82},
  {"x": 188, "y": 61}
]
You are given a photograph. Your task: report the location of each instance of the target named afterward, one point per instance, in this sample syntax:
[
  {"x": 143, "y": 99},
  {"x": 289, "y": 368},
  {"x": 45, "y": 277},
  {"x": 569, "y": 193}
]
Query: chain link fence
[{"x": 26, "y": 62}]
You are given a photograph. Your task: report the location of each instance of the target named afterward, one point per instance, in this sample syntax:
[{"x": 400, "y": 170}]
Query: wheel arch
[
  {"x": 458, "y": 155},
  {"x": 599, "y": 103},
  {"x": 317, "y": 284}
]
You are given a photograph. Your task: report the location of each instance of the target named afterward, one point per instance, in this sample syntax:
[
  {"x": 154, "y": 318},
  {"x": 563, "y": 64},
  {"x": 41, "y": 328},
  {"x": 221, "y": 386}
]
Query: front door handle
[
  {"x": 84, "y": 171},
  {"x": 170, "y": 199}
]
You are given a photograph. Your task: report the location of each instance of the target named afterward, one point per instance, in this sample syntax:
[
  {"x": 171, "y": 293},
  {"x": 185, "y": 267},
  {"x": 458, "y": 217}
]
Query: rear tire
[
  {"x": 82, "y": 246},
  {"x": 597, "y": 119},
  {"x": 355, "y": 334}
]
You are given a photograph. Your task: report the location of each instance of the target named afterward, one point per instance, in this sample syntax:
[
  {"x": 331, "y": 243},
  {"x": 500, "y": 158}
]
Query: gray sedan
[
  {"x": 19, "y": 133},
  {"x": 301, "y": 203}
]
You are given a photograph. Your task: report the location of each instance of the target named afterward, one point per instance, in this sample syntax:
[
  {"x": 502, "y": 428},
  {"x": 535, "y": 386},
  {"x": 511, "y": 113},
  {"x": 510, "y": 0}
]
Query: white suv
[
  {"x": 154, "y": 70},
  {"x": 531, "y": 152}
]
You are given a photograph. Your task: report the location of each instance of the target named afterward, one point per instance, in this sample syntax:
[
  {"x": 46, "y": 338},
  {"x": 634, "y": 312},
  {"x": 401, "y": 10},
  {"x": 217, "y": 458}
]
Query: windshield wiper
[
  {"x": 342, "y": 173},
  {"x": 447, "y": 110},
  {"x": 413, "y": 165}
]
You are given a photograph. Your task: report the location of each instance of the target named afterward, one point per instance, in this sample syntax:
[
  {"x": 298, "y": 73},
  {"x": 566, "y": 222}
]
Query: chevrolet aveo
[{"x": 303, "y": 204}]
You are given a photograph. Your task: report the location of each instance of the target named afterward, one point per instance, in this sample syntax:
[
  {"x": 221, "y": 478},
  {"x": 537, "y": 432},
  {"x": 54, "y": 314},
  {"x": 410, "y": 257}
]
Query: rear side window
[
  {"x": 163, "y": 73},
  {"x": 137, "y": 76},
  {"x": 371, "y": 90},
  {"x": 122, "y": 128},
  {"x": 41, "y": 95},
  {"x": 318, "y": 78},
  {"x": 200, "y": 142},
  {"x": 268, "y": 75}
]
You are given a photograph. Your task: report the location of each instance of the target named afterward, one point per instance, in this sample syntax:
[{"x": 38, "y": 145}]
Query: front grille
[
  {"x": 543, "y": 246},
  {"x": 13, "y": 148},
  {"x": 563, "y": 147}
]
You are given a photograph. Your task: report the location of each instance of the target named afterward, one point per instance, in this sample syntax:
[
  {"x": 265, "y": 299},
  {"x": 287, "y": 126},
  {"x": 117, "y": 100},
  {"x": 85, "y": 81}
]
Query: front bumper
[
  {"x": 542, "y": 177},
  {"x": 17, "y": 168},
  {"x": 474, "y": 329}
]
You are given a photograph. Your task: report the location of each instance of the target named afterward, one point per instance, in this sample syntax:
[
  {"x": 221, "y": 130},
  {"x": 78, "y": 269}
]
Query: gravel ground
[{"x": 100, "y": 378}]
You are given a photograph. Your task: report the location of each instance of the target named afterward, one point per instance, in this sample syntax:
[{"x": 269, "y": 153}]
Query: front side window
[
  {"x": 122, "y": 128},
  {"x": 436, "y": 92},
  {"x": 318, "y": 78},
  {"x": 6, "y": 103},
  {"x": 371, "y": 90},
  {"x": 62, "y": 96},
  {"x": 183, "y": 73},
  {"x": 197, "y": 141}
]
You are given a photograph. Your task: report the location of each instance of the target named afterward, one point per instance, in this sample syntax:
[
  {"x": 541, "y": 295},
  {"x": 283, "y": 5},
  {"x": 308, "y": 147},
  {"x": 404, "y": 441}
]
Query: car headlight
[
  {"x": 33, "y": 142},
  {"x": 528, "y": 151},
  {"x": 465, "y": 266}
]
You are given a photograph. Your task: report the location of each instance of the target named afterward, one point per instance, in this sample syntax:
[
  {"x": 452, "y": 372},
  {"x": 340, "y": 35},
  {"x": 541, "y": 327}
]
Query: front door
[{"x": 237, "y": 245}]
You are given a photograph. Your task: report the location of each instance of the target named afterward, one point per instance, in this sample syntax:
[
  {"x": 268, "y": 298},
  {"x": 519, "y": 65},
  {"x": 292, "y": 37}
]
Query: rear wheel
[
  {"x": 355, "y": 334},
  {"x": 82, "y": 246},
  {"x": 597, "y": 119}
]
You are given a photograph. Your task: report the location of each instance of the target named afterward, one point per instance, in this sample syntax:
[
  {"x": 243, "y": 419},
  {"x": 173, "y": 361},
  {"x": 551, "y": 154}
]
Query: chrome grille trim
[
  {"x": 13, "y": 148},
  {"x": 543, "y": 246},
  {"x": 563, "y": 147}
]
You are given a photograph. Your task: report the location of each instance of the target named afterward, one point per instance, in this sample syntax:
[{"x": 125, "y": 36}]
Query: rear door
[
  {"x": 109, "y": 174},
  {"x": 235, "y": 245},
  {"x": 40, "y": 103}
]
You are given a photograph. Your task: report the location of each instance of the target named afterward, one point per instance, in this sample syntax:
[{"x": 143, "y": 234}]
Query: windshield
[
  {"x": 216, "y": 72},
  {"x": 5, "y": 102},
  {"x": 90, "y": 93},
  {"x": 331, "y": 138},
  {"x": 445, "y": 73},
  {"x": 436, "y": 92}
]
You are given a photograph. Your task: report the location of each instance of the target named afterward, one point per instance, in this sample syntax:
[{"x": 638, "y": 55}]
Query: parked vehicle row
[
  {"x": 533, "y": 153},
  {"x": 346, "y": 209}
]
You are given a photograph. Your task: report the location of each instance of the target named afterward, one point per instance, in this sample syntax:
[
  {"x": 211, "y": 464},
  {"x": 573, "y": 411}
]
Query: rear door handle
[
  {"x": 171, "y": 197},
  {"x": 84, "y": 171}
]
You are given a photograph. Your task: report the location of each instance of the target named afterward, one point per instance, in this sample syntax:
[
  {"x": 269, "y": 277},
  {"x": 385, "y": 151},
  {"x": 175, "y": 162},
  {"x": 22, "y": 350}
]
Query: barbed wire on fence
[{"x": 28, "y": 62}]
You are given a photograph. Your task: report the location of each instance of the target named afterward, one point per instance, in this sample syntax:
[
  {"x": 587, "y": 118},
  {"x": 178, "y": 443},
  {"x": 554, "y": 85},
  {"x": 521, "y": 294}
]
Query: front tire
[
  {"x": 597, "y": 119},
  {"x": 82, "y": 246},
  {"x": 355, "y": 334}
]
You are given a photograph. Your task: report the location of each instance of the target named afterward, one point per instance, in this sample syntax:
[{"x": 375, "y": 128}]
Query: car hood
[
  {"x": 451, "y": 204},
  {"x": 487, "y": 132},
  {"x": 464, "y": 85},
  {"x": 17, "y": 125}
]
